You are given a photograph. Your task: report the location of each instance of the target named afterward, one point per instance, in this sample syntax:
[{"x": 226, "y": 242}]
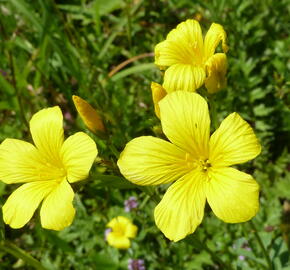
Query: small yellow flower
[
  {"x": 89, "y": 115},
  {"x": 47, "y": 169},
  {"x": 122, "y": 230},
  {"x": 198, "y": 163},
  {"x": 190, "y": 59}
]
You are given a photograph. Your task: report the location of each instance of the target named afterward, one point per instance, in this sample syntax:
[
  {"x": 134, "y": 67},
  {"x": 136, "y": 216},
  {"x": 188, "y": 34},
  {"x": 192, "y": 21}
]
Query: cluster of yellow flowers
[{"x": 198, "y": 163}]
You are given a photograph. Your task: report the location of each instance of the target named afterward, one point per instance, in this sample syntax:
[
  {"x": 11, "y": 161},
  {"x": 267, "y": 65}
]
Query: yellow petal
[
  {"x": 118, "y": 241},
  {"x": 19, "y": 162},
  {"x": 233, "y": 142},
  {"x": 22, "y": 203},
  {"x": 183, "y": 45},
  {"x": 57, "y": 211},
  {"x": 123, "y": 226},
  {"x": 47, "y": 133},
  {"x": 118, "y": 221},
  {"x": 214, "y": 35},
  {"x": 78, "y": 153},
  {"x": 89, "y": 115},
  {"x": 131, "y": 231},
  {"x": 181, "y": 208},
  {"x": 158, "y": 92},
  {"x": 151, "y": 161},
  {"x": 216, "y": 67},
  {"x": 186, "y": 123},
  {"x": 183, "y": 77},
  {"x": 232, "y": 195}
]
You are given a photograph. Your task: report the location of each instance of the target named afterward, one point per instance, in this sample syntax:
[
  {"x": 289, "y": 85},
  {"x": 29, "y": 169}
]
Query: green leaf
[
  {"x": 56, "y": 240},
  {"x": 282, "y": 188},
  {"x": 19, "y": 253},
  {"x": 108, "y": 6},
  {"x": 6, "y": 86},
  {"x": 112, "y": 181},
  {"x": 28, "y": 13},
  {"x": 104, "y": 262},
  {"x": 262, "y": 110},
  {"x": 199, "y": 260},
  {"x": 132, "y": 70}
]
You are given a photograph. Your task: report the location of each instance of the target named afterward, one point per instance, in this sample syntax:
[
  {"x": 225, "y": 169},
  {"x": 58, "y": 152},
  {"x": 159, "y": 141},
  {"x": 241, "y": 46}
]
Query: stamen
[{"x": 205, "y": 164}]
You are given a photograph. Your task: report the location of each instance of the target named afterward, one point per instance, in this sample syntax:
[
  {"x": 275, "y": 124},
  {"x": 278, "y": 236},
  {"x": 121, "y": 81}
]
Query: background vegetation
[{"x": 51, "y": 50}]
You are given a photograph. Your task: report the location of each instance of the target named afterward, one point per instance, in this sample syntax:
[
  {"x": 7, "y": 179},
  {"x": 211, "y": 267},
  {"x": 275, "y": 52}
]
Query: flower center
[
  {"x": 48, "y": 171},
  {"x": 193, "y": 163},
  {"x": 204, "y": 164},
  {"x": 119, "y": 230}
]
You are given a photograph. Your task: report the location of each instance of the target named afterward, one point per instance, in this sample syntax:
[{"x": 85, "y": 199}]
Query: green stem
[
  {"x": 266, "y": 255},
  {"x": 213, "y": 111},
  {"x": 129, "y": 26},
  {"x": 151, "y": 192},
  {"x": 14, "y": 82},
  {"x": 17, "y": 92},
  {"x": 19, "y": 253}
]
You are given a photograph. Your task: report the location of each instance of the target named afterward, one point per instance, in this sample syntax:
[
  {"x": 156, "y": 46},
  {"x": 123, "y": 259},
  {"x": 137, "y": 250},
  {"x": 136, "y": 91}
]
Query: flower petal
[
  {"x": 183, "y": 77},
  {"x": 22, "y": 203},
  {"x": 131, "y": 230},
  {"x": 182, "y": 45},
  {"x": 57, "y": 211},
  {"x": 151, "y": 161},
  {"x": 233, "y": 142},
  {"x": 22, "y": 162},
  {"x": 19, "y": 162},
  {"x": 232, "y": 195},
  {"x": 186, "y": 123},
  {"x": 89, "y": 115},
  {"x": 78, "y": 153},
  {"x": 47, "y": 133},
  {"x": 216, "y": 67},
  {"x": 182, "y": 207},
  {"x": 118, "y": 241},
  {"x": 214, "y": 35},
  {"x": 118, "y": 221},
  {"x": 158, "y": 92}
]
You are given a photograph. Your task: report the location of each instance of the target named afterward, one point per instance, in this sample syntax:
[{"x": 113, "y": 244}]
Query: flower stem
[
  {"x": 19, "y": 253},
  {"x": 266, "y": 255},
  {"x": 151, "y": 192}
]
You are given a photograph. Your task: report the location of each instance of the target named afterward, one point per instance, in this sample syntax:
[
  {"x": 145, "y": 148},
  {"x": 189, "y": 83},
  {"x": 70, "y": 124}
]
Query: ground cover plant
[{"x": 53, "y": 52}]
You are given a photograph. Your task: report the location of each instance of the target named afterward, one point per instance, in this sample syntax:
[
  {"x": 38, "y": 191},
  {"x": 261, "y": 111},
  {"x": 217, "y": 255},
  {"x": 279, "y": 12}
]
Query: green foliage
[{"x": 51, "y": 50}]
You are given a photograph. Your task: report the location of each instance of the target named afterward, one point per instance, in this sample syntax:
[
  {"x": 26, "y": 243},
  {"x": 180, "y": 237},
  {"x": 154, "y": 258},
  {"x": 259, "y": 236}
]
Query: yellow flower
[
  {"x": 122, "y": 229},
  {"x": 198, "y": 162},
  {"x": 191, "y": 60},
  {"x": 47, "y": 169},
  {"x": 89, "y": 115}
]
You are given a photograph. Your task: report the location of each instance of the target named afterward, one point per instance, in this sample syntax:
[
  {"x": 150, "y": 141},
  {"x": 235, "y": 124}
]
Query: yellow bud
[
  {"x": 88, "y": 114},
  {"x": 158, "y": 93}
]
